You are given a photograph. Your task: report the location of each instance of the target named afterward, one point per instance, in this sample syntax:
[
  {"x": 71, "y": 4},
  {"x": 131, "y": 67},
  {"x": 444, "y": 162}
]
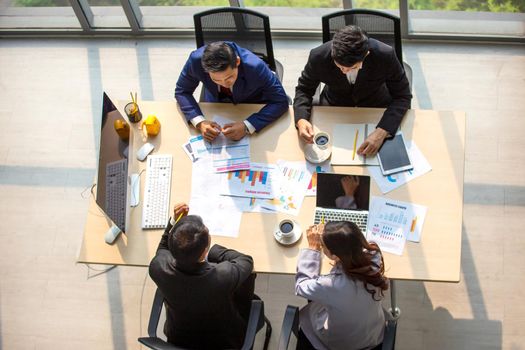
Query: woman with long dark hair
[{"x": 345, "y": 311}]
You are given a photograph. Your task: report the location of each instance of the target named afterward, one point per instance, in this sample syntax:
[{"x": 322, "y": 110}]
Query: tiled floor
[{"x": 50, "y": 103}]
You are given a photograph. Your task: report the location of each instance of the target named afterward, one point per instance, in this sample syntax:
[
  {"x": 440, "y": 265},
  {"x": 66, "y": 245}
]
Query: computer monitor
[{"x": 112, "y": 189}]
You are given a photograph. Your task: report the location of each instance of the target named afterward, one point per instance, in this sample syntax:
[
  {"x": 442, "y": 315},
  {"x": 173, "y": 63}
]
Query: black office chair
[
  {"x": 378, "y": 25},
  {"x": 247, "y": 28},
  {"x": 256, "y": 322},
  {"x": 291, "y": 326}
]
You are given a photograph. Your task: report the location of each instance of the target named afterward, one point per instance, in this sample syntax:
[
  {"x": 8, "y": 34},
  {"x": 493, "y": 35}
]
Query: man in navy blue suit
[{"x": 231, "y": 74}]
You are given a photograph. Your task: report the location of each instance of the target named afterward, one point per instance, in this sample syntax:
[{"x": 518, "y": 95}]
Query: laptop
[{"x": 342, "y": 197}]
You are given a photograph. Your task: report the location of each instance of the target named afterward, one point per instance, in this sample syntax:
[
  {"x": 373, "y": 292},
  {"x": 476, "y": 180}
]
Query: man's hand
[
  {"x": 180, "y": 211},
  {"x": 305, "y": 130},
  {"x": 234, "y": 131},
  {"x": 313, "y": 234},
  {"x": 373, "y": 142},
  {"x": 209, "y": 130},
  {"x": 350, "y": 184}
]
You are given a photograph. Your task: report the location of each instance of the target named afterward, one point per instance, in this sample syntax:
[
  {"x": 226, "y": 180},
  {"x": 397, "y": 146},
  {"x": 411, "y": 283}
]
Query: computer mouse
[
  {"x": 143, "y": 151},
  {"x": 112, "y": 234}
]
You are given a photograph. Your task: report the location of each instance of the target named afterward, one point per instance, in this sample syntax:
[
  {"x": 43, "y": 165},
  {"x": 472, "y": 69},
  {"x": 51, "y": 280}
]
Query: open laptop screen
[{"x": 341, "y": 191}]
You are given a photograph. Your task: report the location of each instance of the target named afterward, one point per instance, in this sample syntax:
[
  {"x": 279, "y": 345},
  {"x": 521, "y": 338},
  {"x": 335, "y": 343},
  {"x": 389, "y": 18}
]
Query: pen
[
  {"x": 413, "y": 226},
  {"x": 355, "y": 142},
  {"x": 180, "y": 216}
]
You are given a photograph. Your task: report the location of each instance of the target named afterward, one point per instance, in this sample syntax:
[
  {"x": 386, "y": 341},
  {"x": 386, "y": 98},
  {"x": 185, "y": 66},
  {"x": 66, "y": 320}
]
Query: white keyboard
[
  {"x": 155, "y": 209},
  {"x": 359, "y": 218}
]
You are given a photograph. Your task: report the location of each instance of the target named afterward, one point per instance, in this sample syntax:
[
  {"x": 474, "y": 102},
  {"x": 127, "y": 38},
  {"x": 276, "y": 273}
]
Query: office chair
[
  {"x": 247, "y": 28},
  {"x": 377, "y": 25},
  {"x": 256, "y": 322},
  {"x": 291, "y": 326}
]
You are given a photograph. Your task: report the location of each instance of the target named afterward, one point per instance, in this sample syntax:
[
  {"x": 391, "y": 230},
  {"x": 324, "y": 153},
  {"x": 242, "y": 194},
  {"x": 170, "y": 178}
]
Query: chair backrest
[
  {"x": 247, "y": 28},
  {"x": 377, "y": 25}
]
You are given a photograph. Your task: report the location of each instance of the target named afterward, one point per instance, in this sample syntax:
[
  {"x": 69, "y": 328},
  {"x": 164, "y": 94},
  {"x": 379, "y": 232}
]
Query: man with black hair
[
  {"x": 208, "y": 292},
  {"x": 231, "y": 74},
  {"x": 359, "y": 72}
]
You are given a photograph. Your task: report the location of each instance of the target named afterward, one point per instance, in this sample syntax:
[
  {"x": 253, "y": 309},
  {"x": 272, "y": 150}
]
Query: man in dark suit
[
  {"x": 357, "y": 71},
  {"x": 207, "y": 292},
  {"x": 232, "y": 74}
]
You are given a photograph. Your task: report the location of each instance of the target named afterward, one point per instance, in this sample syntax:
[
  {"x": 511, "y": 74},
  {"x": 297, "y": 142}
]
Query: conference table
[{"x": 440, "y": 135}]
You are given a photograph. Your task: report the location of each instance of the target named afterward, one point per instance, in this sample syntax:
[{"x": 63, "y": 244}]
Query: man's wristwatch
[{"x": 246, "y": 130}]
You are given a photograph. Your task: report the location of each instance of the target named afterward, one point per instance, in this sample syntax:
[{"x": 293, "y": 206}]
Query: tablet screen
[{"x": 393, "y": 156}]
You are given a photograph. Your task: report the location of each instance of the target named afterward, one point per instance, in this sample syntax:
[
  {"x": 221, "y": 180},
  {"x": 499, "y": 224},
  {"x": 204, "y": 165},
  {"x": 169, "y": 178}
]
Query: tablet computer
[{"x": 393, "y": 156}]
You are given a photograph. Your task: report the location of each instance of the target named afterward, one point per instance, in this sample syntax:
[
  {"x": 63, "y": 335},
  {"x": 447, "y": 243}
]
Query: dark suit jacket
[
  {"x": 381, "y": 82},
  {"x": 200, "y": 309},
  {"x": 256, "y": 83}
]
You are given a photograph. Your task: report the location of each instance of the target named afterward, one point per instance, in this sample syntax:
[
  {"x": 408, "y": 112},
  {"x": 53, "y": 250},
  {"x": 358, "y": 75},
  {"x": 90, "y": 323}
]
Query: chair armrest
[
  {"x": 279, "y": 71},
  {"x": 290, "y": 324},
  {"x": 158, "y": 344},
  {"x": 156, "y": 310},
  {"x": 389, "y": 339},
  {"x": 255, "y": 322},
  {"x": 408, "y": 73}
]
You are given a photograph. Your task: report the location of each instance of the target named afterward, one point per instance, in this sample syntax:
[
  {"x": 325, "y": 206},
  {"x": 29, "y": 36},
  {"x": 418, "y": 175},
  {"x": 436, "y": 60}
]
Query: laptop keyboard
[{"x": 358, "y": 218}]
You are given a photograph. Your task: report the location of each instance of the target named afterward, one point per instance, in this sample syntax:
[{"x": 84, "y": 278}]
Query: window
[
  {"x": 158, "y": 14},
  {"x": 470, "y": 17},
  {"x": 55, "y": 14},
  {"x": 108, "y": 14}
]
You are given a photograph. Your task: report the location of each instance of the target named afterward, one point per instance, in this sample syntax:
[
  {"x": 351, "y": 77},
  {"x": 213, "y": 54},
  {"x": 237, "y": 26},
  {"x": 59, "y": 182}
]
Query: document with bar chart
[
  {"x": 258, "y": 182},
  {"x": 228, "y": 155},
  {"x": 293, "y": 182},
  {"x": 313, "y": 169},
  {"x": 391, "y": 223}
]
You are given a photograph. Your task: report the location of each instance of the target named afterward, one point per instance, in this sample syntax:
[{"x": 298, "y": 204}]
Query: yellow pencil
[
  {"x": 132, "y": 99},
  {"x": 180, "y": 216},
  {"x": 413, "y": 226},
  {"x": 355, "y": 143},
  {"x": 322, "y": 220}
]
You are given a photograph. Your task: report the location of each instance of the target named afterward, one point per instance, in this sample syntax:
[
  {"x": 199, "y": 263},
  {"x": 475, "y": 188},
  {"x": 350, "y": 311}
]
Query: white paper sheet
[
  {"x": 345, "y": 137},
  {"x": 313, "y": 169},
  {"x": 258, "y": 182},
  {"x": 293, "y": 182},
  {"x": 391, "y": 182},
  {"x": 196, "y": 148},
  {"x": 229, "y": 155},
  {"x": 391, "y": 223},
  {"x": 219, "y": 213},
  {"x": 251, "y": 205}
]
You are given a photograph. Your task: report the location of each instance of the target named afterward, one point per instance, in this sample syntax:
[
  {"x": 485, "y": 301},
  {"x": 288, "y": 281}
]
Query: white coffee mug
[
  {"x": 286, "y": 228},
  {"x": 322, "y": 140},
  {"x": 287, "y": 232}
]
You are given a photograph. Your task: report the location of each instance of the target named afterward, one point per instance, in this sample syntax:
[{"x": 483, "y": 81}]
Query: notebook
[
  {"x": 342, "y": 197},
  {"x": 347, "y": 139}
]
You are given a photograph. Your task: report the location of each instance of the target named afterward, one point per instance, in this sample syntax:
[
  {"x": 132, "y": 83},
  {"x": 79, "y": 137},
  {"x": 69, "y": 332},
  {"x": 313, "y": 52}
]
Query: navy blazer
[
  {"x": 255, "y": 83},
  {"x": 381, "y": 82}
]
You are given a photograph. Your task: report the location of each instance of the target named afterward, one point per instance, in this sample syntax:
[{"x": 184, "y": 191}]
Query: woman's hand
[{"x": 313, "y": 234}]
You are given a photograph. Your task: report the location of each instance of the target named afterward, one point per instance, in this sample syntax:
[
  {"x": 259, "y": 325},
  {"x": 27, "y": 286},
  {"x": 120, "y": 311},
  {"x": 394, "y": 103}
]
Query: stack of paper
[{"x": 391, "y": 182}]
